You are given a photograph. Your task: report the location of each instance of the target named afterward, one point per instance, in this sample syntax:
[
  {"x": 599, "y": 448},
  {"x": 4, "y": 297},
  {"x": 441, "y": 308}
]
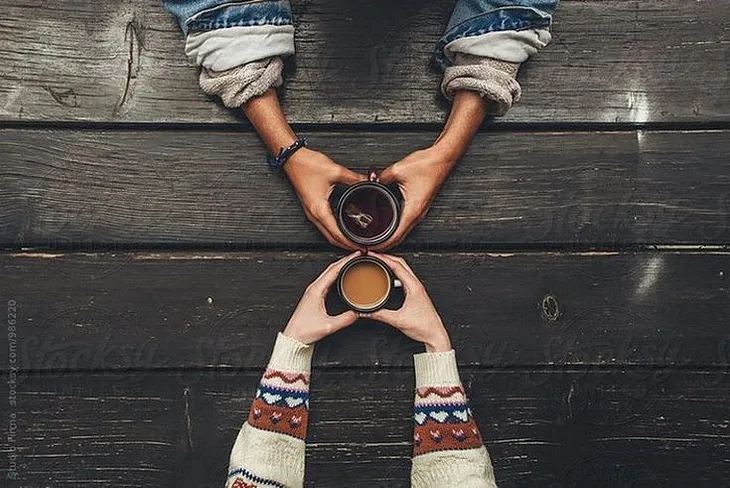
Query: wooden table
[{"x": 578, "y": 253}]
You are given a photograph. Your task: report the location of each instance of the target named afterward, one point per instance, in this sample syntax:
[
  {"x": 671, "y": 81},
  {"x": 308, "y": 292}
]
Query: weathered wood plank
[
  {"x": 603, "y": 189},
  {"x": 171, "y": 310},
  {"x": 366, "y": 62},
  {"x": 646, "y": 428},
  {"x": 85, "y": 430}
]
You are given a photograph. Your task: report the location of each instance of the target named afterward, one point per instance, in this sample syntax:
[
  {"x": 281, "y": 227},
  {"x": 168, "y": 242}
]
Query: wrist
[
  {"x": 440, "y": 343},
  {"x": 300, "y": 158},
  {"x": 446, "y": 153},
  {"x": 286, "y": 153},
  {"x": 295, "y": 334},
  {"x": 297, "y": 159}
]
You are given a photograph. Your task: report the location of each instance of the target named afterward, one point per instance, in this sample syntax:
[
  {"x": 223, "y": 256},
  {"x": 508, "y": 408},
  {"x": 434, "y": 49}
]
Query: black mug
[
  {"x": 366, "y": 283},
  {"x": 368, "y": 212}
]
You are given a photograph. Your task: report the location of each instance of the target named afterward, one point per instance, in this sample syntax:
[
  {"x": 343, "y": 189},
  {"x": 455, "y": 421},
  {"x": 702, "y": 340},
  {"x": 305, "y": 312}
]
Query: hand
[
  {"x": 419, "y": 177},
  {"x": 417, "y": 318},
  {"x": 310, "y": 321},
  {"x": 313, "y": 176}
]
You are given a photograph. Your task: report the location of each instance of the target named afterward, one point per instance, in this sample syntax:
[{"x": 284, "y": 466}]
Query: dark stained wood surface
[
  {"x": 649, "y": 428},
  {"x": 587, "y": 364},
  {"x": 580, "y": 189},
  {"x": 200, "y": 310},
  {"x": 366, "y": 61}
]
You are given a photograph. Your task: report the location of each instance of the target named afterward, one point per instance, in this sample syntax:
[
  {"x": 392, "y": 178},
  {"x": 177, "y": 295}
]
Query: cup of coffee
[
  {"x": 366, "y": 283},
  {"x": 368, "y": 212}
]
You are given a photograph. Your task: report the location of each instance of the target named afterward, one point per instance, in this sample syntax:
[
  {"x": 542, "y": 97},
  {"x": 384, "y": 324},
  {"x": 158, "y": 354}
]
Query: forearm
[
  {"x": 268, "y": 118},
  {"x": 484, "y": 44},
  {"x": 269, "y": 450},
  {"x": 466, "y": 116},
  {"x": 447, "y": 444}
]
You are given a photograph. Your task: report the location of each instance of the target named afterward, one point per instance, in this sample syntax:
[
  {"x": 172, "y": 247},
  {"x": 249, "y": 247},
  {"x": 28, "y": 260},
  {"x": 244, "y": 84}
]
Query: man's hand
[
  {"x": 420, "y": 174},
  {"x": 313, "y": 176},
  {"x": 419, "y": 177}
]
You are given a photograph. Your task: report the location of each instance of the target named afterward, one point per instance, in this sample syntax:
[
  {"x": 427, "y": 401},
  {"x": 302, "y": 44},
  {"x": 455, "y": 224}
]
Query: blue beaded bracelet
[{"x": 285, "y": 153}]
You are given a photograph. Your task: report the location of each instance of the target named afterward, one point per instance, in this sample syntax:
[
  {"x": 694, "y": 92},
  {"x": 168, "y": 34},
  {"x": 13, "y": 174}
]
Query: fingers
[
  {"x": 402, "y": 271},
  {"x": 410, "y": 217},
  {"x": 332, "y": 239},
  {"x": 323, "y": 282},
  {"x": 327, "y": 220},
  {"x": 345, "y": 319},
  {"x": 323, "y": 219},
  {"x": 384, "y": 315},
  {"x": 349, "y": 177},
  {"x": 388, "y": 175}
]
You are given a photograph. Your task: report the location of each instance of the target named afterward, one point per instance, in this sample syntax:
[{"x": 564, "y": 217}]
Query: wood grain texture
[
  {"x": 582, "y": 189},
  {"x": 180, "y": 310},
  {"x": 366, "y": 61},
  {"x": 646, "y": 428}
]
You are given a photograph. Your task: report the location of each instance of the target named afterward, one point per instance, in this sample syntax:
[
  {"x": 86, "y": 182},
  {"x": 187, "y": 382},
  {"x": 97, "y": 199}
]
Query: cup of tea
[
  {"x": 368, "y": 212},
  {"x": 366, "y": 283}
]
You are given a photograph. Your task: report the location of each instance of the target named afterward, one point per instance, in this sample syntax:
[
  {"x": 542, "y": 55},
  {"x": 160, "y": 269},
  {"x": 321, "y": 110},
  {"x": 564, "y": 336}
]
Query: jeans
[{"x": 221, "y": 35}]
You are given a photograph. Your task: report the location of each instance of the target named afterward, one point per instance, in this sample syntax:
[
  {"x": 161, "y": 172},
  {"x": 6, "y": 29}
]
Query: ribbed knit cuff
[
  {"x": 436, "y": 369},
  {"x": 238, "y": 85},
  {"x": 291, "y": 355},
  {"x": 491, "y": 78}
]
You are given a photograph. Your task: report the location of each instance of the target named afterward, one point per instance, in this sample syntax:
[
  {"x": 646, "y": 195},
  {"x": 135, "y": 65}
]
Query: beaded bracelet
[{"x": 285, "y": 153}]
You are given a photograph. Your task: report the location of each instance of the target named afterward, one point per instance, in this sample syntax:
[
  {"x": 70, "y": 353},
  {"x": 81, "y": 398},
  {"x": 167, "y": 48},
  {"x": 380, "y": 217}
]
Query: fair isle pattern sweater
[{"x": 269, "y": 450}]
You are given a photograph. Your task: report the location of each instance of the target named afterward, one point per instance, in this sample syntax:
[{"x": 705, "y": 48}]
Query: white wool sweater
[{"x": 270, "y": 448}]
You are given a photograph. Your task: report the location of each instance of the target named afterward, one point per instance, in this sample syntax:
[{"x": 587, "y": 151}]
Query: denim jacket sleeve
[
  {"x": 485, "y": 42},
  {"x": 237, "y": 44},
  {"x": 221, "y": 34}
]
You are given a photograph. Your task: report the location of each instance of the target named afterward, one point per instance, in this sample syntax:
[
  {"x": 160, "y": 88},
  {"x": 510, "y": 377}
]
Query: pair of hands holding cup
[
  {"x": 418, "y": 176},
  {"x": 417, "y": 318}
]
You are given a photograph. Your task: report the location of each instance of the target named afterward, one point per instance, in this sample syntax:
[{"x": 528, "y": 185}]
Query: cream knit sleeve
[
  {"x": 269, "y": 449},
  {"x": 238, "y": 85},
  {"x": 447, "y": 446},
  {"x": 493, "y": 79}
]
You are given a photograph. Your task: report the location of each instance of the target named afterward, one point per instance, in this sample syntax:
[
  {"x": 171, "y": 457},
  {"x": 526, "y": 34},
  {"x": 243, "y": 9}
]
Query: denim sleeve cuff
[
  {"x": 238, "y": 85},
  {"x": 492, "y": 79},
  {"x": 226, "y": 48},
  {"x": 511, "y": 46}
]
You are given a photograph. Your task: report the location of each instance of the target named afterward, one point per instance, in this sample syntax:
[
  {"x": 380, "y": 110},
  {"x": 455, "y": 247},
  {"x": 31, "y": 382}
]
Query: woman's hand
[
  {"x": 417, "y": 318},
  {"x": 313, "y": 176},
  {"x": 310, "y": 321}
]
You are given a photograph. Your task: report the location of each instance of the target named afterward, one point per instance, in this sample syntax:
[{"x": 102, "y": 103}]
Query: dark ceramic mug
[
  {"x": 368, "y": 212},
  {"x": 384, "y": 289}
]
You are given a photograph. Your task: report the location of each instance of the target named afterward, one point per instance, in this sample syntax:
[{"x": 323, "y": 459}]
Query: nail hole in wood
[{"x": 550, "y": 308}]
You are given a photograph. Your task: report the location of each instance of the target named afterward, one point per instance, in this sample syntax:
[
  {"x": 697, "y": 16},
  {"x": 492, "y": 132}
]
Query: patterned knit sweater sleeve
[
  {"x": 269, "y": 449},
  {"x": 447, "y": 445}
]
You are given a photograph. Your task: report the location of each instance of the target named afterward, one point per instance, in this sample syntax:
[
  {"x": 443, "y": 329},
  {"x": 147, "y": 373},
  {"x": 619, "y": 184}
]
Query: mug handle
[
  {"x": 397, "y": 284},
  {"x": 373, "y": 174}
]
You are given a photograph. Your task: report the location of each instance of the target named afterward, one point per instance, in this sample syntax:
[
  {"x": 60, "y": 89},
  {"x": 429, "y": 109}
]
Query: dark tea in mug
[{"x": 368, "y": 212}]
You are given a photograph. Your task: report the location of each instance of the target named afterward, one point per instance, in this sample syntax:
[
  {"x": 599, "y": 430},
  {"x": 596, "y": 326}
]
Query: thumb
[
  {"x": 388, "y": 176},
  {"x": 385, "y": 315},
  {"x": 349, "y": 177},
  {"x": 343, "y": 320}
]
